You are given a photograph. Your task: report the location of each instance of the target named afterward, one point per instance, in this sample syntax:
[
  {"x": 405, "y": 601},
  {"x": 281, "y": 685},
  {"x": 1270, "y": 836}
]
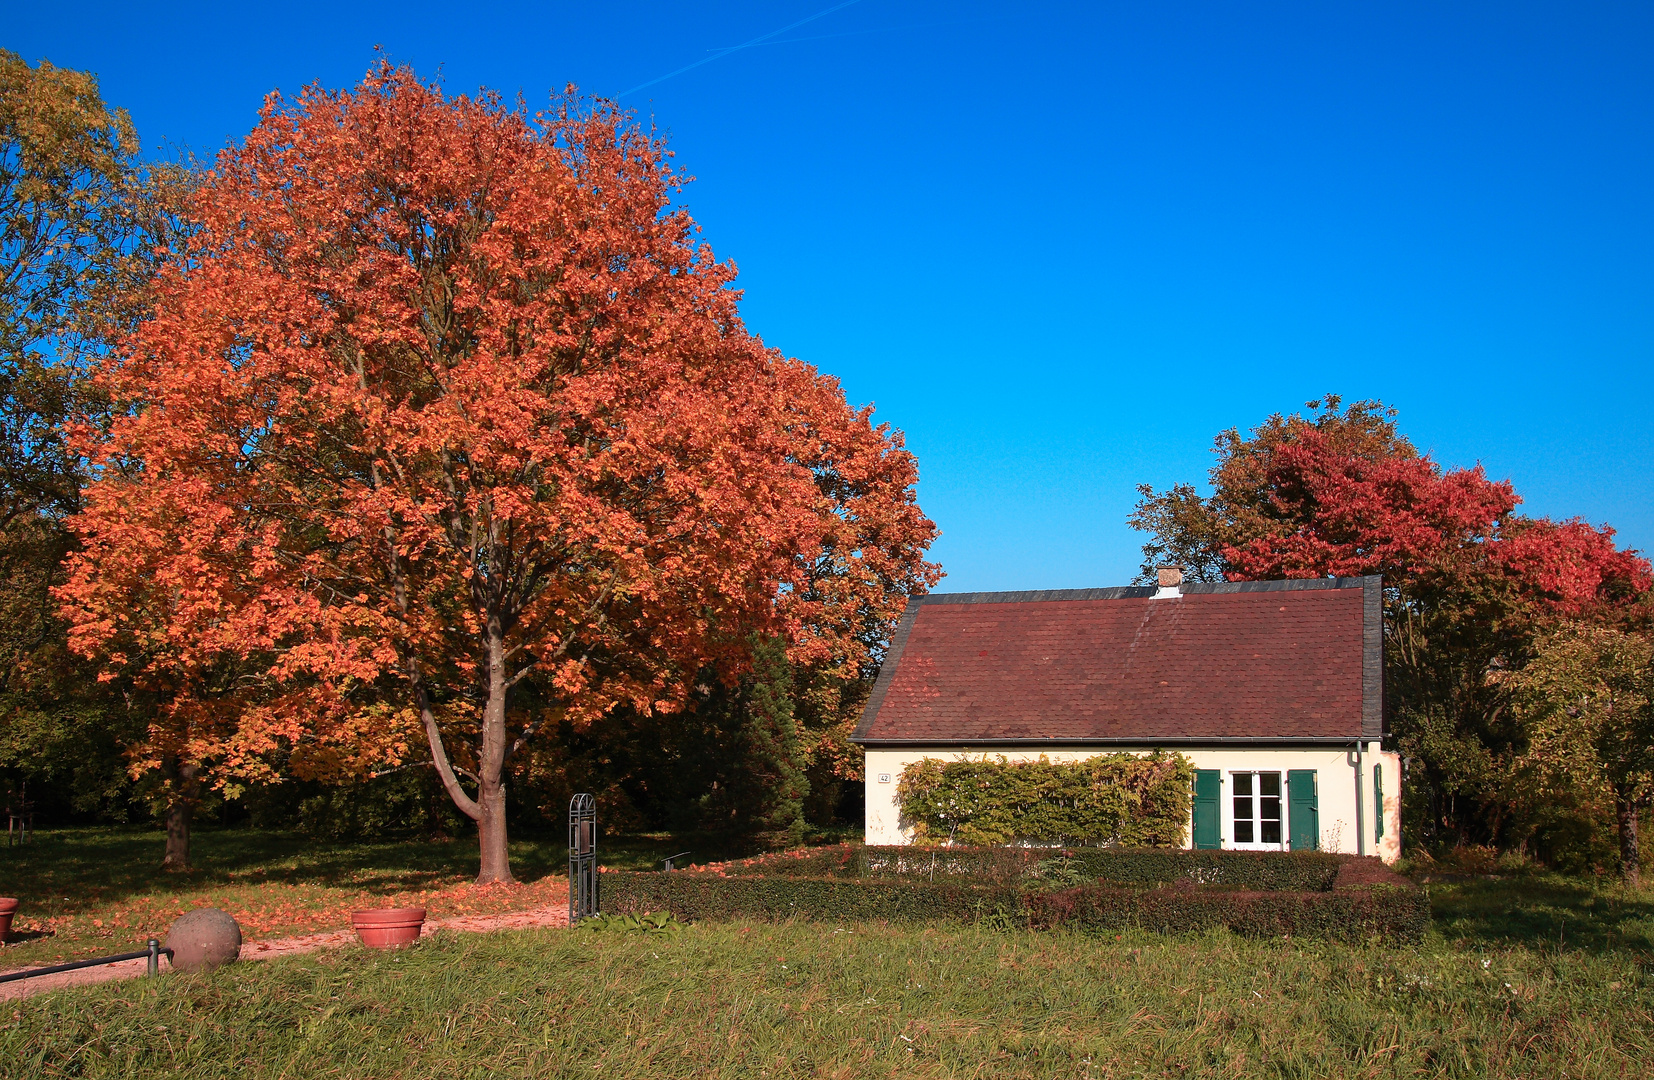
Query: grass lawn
[
  {"x": 1530, "y": 976},
  {"x": 93, "y": 891},
  {"x": 811, "y": 1000}
]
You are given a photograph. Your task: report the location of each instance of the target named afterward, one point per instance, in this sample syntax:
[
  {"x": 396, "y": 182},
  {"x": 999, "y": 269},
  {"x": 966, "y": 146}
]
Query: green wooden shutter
[
  {"x": 1304, "y": 810},
  {"x": 1208, "y": 798},
  {"x": 1378, "y": 803}
]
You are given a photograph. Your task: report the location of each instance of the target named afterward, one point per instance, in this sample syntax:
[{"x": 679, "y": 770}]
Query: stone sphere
[{"x": 204, "y": 939}]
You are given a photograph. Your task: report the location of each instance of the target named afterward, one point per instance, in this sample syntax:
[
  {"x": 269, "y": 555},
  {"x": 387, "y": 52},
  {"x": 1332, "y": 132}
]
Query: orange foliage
[{"x": 444, "y": 397}]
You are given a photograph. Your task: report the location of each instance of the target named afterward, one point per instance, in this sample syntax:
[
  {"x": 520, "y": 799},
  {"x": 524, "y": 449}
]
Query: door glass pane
[
  {"x": 1243, "y": 808},
  {"x": 1269, "y": 808}
]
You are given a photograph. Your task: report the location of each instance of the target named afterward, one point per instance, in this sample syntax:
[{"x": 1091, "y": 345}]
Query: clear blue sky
[{"x": 1063, "y": 246}]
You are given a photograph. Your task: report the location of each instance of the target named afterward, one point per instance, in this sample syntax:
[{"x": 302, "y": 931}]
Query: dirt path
[{"x": 266, "y": 950}]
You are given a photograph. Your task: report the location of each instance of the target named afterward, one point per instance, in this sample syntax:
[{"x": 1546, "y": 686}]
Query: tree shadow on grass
[
  {"x": 1545, "y": 911},
  {"x": 70, "y": 870},
  {"x": 65, "y": 871}
]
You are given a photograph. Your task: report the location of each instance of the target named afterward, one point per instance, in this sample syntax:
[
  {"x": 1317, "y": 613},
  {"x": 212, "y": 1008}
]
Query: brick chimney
[{"x": 1169, "y": 578}]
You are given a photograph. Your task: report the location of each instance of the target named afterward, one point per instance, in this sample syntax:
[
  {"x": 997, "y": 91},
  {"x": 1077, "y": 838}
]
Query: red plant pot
[
  {"x": 388, "y": 928},
  {"x": 8, "y": 908}
]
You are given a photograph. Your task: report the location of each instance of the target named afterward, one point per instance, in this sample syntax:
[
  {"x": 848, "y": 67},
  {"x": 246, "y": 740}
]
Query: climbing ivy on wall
[{"x": 1123, "y": 800}]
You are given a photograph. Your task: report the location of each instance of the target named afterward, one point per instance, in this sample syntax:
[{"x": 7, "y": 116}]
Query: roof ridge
[{"x": 1142, "y": 592}]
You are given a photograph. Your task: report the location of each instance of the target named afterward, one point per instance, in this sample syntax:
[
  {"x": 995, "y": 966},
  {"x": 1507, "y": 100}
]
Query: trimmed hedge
[
  {"x": 1270, "y": 871},
  {"x": 1395, "y": 912},
  {"x": 708, "y": 896},
  {"x": 1140, "y": 867},
  {"x": 1341, "y": 914},
  {"x": 1112, "y": 799},
  {"x": 837, "y": 860}
]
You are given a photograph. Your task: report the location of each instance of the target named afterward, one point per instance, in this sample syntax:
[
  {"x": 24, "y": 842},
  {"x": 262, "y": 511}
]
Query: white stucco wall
[{"x": 1335, "y": 784}]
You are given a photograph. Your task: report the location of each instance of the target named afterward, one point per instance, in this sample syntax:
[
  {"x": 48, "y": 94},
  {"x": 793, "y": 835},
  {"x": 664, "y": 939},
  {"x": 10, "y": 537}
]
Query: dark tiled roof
[{"x": 1292, "y": 660}]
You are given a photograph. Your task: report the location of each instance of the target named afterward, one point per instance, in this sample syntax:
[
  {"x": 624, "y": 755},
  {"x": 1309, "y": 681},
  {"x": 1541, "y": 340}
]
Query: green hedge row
[
  {"x": 1389, "y": 912},
  {"x": 708, "y": 896},
  {"x": 1395, "y": 914},
  {"x": 1297, "y": 871},
  {"x": 1111, "y": 799},
  {"x": 1271, "y": 871}
]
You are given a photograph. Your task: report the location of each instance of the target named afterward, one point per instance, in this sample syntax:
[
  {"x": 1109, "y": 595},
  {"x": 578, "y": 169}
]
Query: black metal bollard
[{"x": 583, "y": 901}]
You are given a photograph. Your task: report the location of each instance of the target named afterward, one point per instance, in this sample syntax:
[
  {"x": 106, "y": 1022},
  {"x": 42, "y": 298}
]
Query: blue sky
[{"x": 1063, "y": 246}]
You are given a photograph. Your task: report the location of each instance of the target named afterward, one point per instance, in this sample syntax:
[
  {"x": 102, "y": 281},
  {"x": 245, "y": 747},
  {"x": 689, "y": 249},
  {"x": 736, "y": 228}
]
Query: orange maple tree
[{"x": 444, "y": 396}]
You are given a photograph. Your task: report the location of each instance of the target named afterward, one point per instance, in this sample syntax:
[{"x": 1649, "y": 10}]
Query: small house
[{"x": 1273, "y": 689}]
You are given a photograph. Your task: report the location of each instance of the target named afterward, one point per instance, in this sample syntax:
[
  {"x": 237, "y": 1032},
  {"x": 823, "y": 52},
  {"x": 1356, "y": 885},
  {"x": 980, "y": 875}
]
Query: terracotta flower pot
[
  {"x": 388, "y": 928},
  {"x": 8, "y": 908}
]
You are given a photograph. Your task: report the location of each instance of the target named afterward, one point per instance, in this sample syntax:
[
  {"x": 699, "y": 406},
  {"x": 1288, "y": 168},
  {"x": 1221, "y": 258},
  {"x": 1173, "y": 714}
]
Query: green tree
[
  {"x": 83, "y": 225},
  {"x": 1586, "y": 700},
  {"x": 66, "y": 184}
]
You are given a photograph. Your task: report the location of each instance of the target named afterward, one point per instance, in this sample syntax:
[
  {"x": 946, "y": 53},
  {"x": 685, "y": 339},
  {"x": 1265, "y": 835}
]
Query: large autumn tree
[
  {"x": 444, "y": 403},
  {"x": 1469, "y": 583}
]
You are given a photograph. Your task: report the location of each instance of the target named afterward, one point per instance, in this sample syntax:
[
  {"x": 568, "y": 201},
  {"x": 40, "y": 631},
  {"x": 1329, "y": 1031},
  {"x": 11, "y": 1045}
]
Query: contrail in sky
[{"x": 721, "y": 53}]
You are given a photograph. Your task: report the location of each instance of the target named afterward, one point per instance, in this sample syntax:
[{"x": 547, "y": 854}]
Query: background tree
[
  {"x": 1586, "y": 699},
  {"x": 442, "y": 401},
  {"x": 66, "y": 183},
  {"x": 1194, "y": 532},
  {"x": 80, "y": 222},
  {"x": 1469, "y": 583}
]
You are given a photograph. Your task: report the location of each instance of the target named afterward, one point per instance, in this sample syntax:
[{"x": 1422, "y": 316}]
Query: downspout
[{"x": 1360, "y": 815}]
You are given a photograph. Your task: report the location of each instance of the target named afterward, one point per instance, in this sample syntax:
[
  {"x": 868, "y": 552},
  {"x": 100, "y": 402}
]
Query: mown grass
[
  {"x": 90, "y": 891},
  {"x": 814, "y": 1000},
  {"x": 1546, "y": 911}
]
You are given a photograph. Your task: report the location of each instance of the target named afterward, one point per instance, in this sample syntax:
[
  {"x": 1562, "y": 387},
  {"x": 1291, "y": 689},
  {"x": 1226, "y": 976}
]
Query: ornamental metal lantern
[{"x": 582, "y": 858}]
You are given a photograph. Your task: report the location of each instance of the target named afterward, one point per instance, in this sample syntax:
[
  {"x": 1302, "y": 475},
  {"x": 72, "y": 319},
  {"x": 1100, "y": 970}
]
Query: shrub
[
  {"x": 660, "y": 922},
  {"x": 839, "y": 860},
  {"x": 1109, "y": 800},
  {"x": 1275, "y": 871},
  {"x": 1140, "y": 867},
  {"x": 1002, "y": 865},
  {"x": 769, "y": 899},
  {"x": 1389, "y": 912},
  {"x": 1361, "y": 871}
]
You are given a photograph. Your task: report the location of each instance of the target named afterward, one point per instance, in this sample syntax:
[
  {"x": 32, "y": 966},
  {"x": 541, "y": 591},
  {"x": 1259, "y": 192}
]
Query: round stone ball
[{"x": 204, "y": 939}]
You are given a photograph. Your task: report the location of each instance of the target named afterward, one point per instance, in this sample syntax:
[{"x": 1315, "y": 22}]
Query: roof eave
[{"x": 1180, "y": 740}]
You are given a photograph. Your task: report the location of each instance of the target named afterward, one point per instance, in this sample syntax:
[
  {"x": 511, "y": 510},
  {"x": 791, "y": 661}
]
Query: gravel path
[{"x": 265, "y": 950}]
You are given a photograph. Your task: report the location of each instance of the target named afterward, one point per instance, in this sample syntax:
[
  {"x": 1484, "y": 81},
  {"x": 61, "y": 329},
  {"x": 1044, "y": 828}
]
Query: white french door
[{"x": 1257, "y": 817}]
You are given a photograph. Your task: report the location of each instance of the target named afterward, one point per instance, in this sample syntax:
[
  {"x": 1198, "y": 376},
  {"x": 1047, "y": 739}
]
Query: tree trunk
[
  {"x": 491, "y": 833},
  {"x": 180, "y": 809},
  {"x": 1630, "y": 856}
]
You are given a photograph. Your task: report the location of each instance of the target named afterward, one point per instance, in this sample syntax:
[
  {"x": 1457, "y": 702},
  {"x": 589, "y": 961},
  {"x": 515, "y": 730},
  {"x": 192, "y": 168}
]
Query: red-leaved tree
[
  {"x": 1470, "y": 584},
  {"x": 443, "y": 397},
  {"x": 1336, "y": 512}
]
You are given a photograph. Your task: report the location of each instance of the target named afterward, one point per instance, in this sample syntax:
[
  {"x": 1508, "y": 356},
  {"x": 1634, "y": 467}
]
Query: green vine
[{"x": 1111, "y": 800}]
